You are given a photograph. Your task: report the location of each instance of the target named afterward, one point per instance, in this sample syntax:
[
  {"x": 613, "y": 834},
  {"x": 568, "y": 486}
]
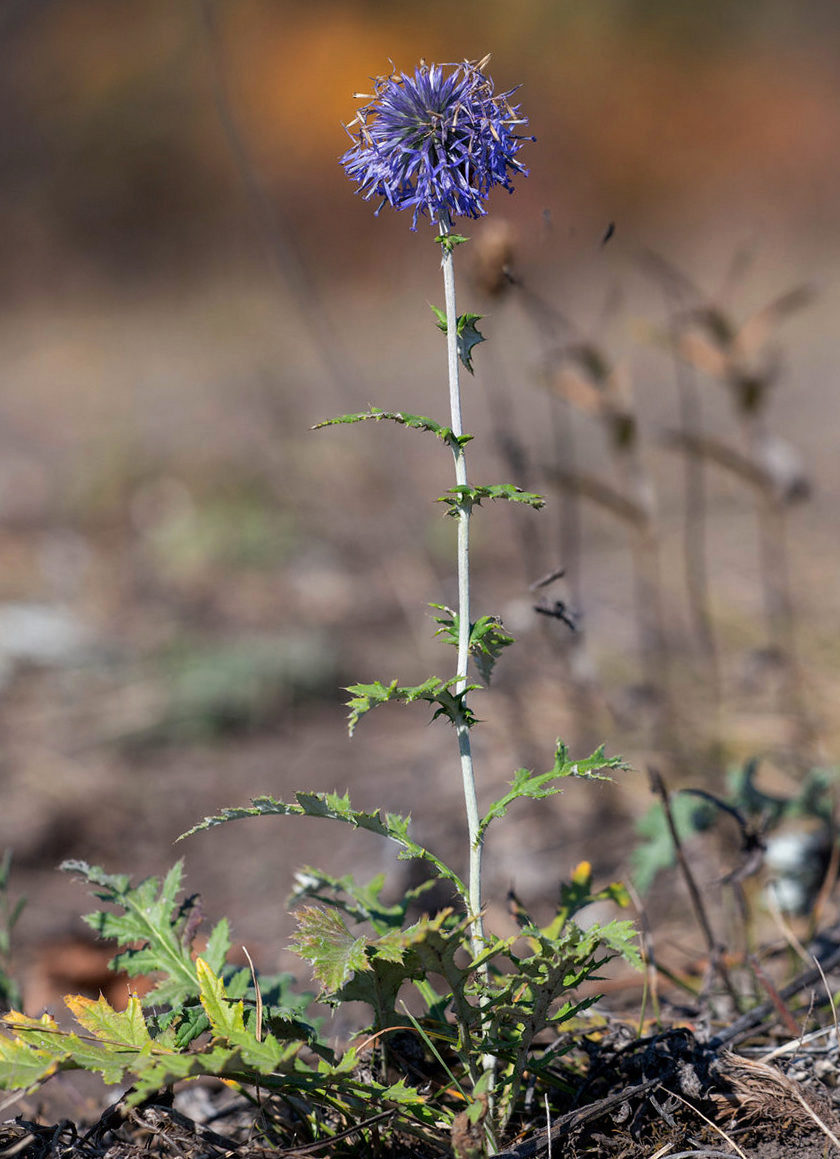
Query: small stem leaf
[
  {"x": 417, "y": 422},
  {"x": 487, "y": 638},
  {"x": 448, "y": 624},
  {"x": 364, "y": 697},
  {"x": 528, "y": 784},
  {"x": 441, "y": 317},
  {"x": 464, "y": 497},
  {"x": 450, "y": 240},
  {"x": 468, "y": 338},
  {"x": 467, "y": 331}
]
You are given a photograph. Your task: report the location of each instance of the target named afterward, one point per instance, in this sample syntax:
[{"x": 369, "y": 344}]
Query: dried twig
[{"x": 715, "y": 949}]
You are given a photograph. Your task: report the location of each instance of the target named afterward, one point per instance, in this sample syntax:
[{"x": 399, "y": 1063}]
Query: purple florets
[{"x": 436, "y": 142}]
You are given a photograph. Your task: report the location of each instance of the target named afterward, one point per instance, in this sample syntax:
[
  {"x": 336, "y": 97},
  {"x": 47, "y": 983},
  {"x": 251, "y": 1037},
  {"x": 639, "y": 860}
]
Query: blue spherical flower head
[{"x": 436, "y": 142}]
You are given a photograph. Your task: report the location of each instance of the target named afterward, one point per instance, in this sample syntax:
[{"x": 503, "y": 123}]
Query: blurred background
[{"x": 189, "y": 575}]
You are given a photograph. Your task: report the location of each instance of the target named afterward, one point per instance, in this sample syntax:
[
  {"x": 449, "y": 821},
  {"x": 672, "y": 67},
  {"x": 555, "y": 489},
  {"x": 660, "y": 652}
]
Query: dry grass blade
[
  {"x": 830, "y": 999},
  {"x": 760, "y": 1091},
  {"x": 702, "y": 1153},
  {"x": 662, "y": 1151},
  {"x": 711, "y": 1124}
]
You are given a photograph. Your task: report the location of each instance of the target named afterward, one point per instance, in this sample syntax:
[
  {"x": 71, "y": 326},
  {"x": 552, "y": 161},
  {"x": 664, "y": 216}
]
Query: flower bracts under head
[{"x": 436, "y": 142}]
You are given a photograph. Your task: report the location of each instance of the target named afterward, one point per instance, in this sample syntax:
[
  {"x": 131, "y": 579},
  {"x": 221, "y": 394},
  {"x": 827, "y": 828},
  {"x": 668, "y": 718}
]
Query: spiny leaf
[
  {"x": 364, "y": 697},
  {"x": 487, "y": 638},
  {"x": 152, "y": 917},
  {"x": 218, "y": 946},
  {"x": 464, "y": 497},
  {"x": 360, "y": 902},
  {"x": 336, "y": 807},
  {"x": 22, "y": 1065},
  {"x": 450, "y": 240},
  {"x": 227, "y": 1018},
  {"x": 418, "y": 422},
  {"x": 467, "y": 332},
  {"x": 325, "y": 942},
  {"x": 528, "y": 784},
  {"x": 125, "y": 1028},
  {"x": 401, "y": 956}
]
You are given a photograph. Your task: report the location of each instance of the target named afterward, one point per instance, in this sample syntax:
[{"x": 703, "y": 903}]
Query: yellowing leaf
[
  {"x": 227, "y": 1018},
  {"x": 125, "y": 1027}
]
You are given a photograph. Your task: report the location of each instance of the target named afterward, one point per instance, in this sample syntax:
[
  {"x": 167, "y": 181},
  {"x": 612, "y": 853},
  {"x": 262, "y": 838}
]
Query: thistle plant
[{"x": 435, "y": 143}]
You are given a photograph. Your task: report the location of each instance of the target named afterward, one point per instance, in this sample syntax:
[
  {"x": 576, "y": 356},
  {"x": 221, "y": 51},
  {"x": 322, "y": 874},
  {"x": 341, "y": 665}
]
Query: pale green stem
[
  {"x": 464, "y": 623},
  {"x": 463, "y": 732}
]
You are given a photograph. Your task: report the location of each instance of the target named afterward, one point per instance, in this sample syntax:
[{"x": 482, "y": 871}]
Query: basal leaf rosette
[{"x": 435, "y": 142}]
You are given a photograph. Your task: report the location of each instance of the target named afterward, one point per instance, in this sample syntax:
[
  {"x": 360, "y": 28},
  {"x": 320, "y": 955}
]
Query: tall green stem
[
  {"x": 462, "y": 730},
  {"x": 473, "y": 901}
]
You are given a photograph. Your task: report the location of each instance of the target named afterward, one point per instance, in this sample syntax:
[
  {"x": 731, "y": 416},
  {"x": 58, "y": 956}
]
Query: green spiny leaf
[
  {"x": 151, "y": 917},
  {"x": 364, "y": 697},
  {"x": 467, "y": 332},
  {"x": 23, "y": 1065},
  {"x": 528, "y": 784},
  {"x": 450, "y": 240},
  {"x": 487, "y": 638},
  {"x": 464, "y": 497},
  {"x": 336, "y": 807},
  {"x": 218, "y": 946},
  {"x": 359, "y": 902},
  {"x": 418, "y": 422},
  {"x": 126, "y": 1028}
]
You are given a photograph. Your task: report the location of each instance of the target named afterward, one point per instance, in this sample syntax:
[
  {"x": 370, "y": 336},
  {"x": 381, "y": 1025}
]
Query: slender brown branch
[{"x": 714, "y": 947}]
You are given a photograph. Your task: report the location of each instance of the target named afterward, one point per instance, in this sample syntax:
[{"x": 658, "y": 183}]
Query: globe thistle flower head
[{"x": 435, "y": 142}]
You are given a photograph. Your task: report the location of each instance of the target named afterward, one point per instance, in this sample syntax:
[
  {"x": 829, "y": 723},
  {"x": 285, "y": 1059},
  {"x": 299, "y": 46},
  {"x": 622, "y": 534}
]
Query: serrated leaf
[
  {"x": 126, "y": 1028},
  {"x": 336, "y": 807},
  {"x": 227, "y": 1019},
  {"x": 23, "y": 1065},
  {"x": 467, "y": 333},
  {"x": 429, "y": 945},
  {"x": 150, "y": 925},
  {"x": 218, "y": 946},
  {"x": 324, "y": 941},
  {"x": 465, "y": 497},
  {"x": 365, "y": 697},
  {"x": 528, "y": 784},
  {"x": 487, "y": 638},
  {"x": 418, "y": 422},
  {"x": 623, "y": 938},
  {"x": 450, "y": 240},
  {"x": 402, "y": 1094},
  {"x": 360, "y": 902}
]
